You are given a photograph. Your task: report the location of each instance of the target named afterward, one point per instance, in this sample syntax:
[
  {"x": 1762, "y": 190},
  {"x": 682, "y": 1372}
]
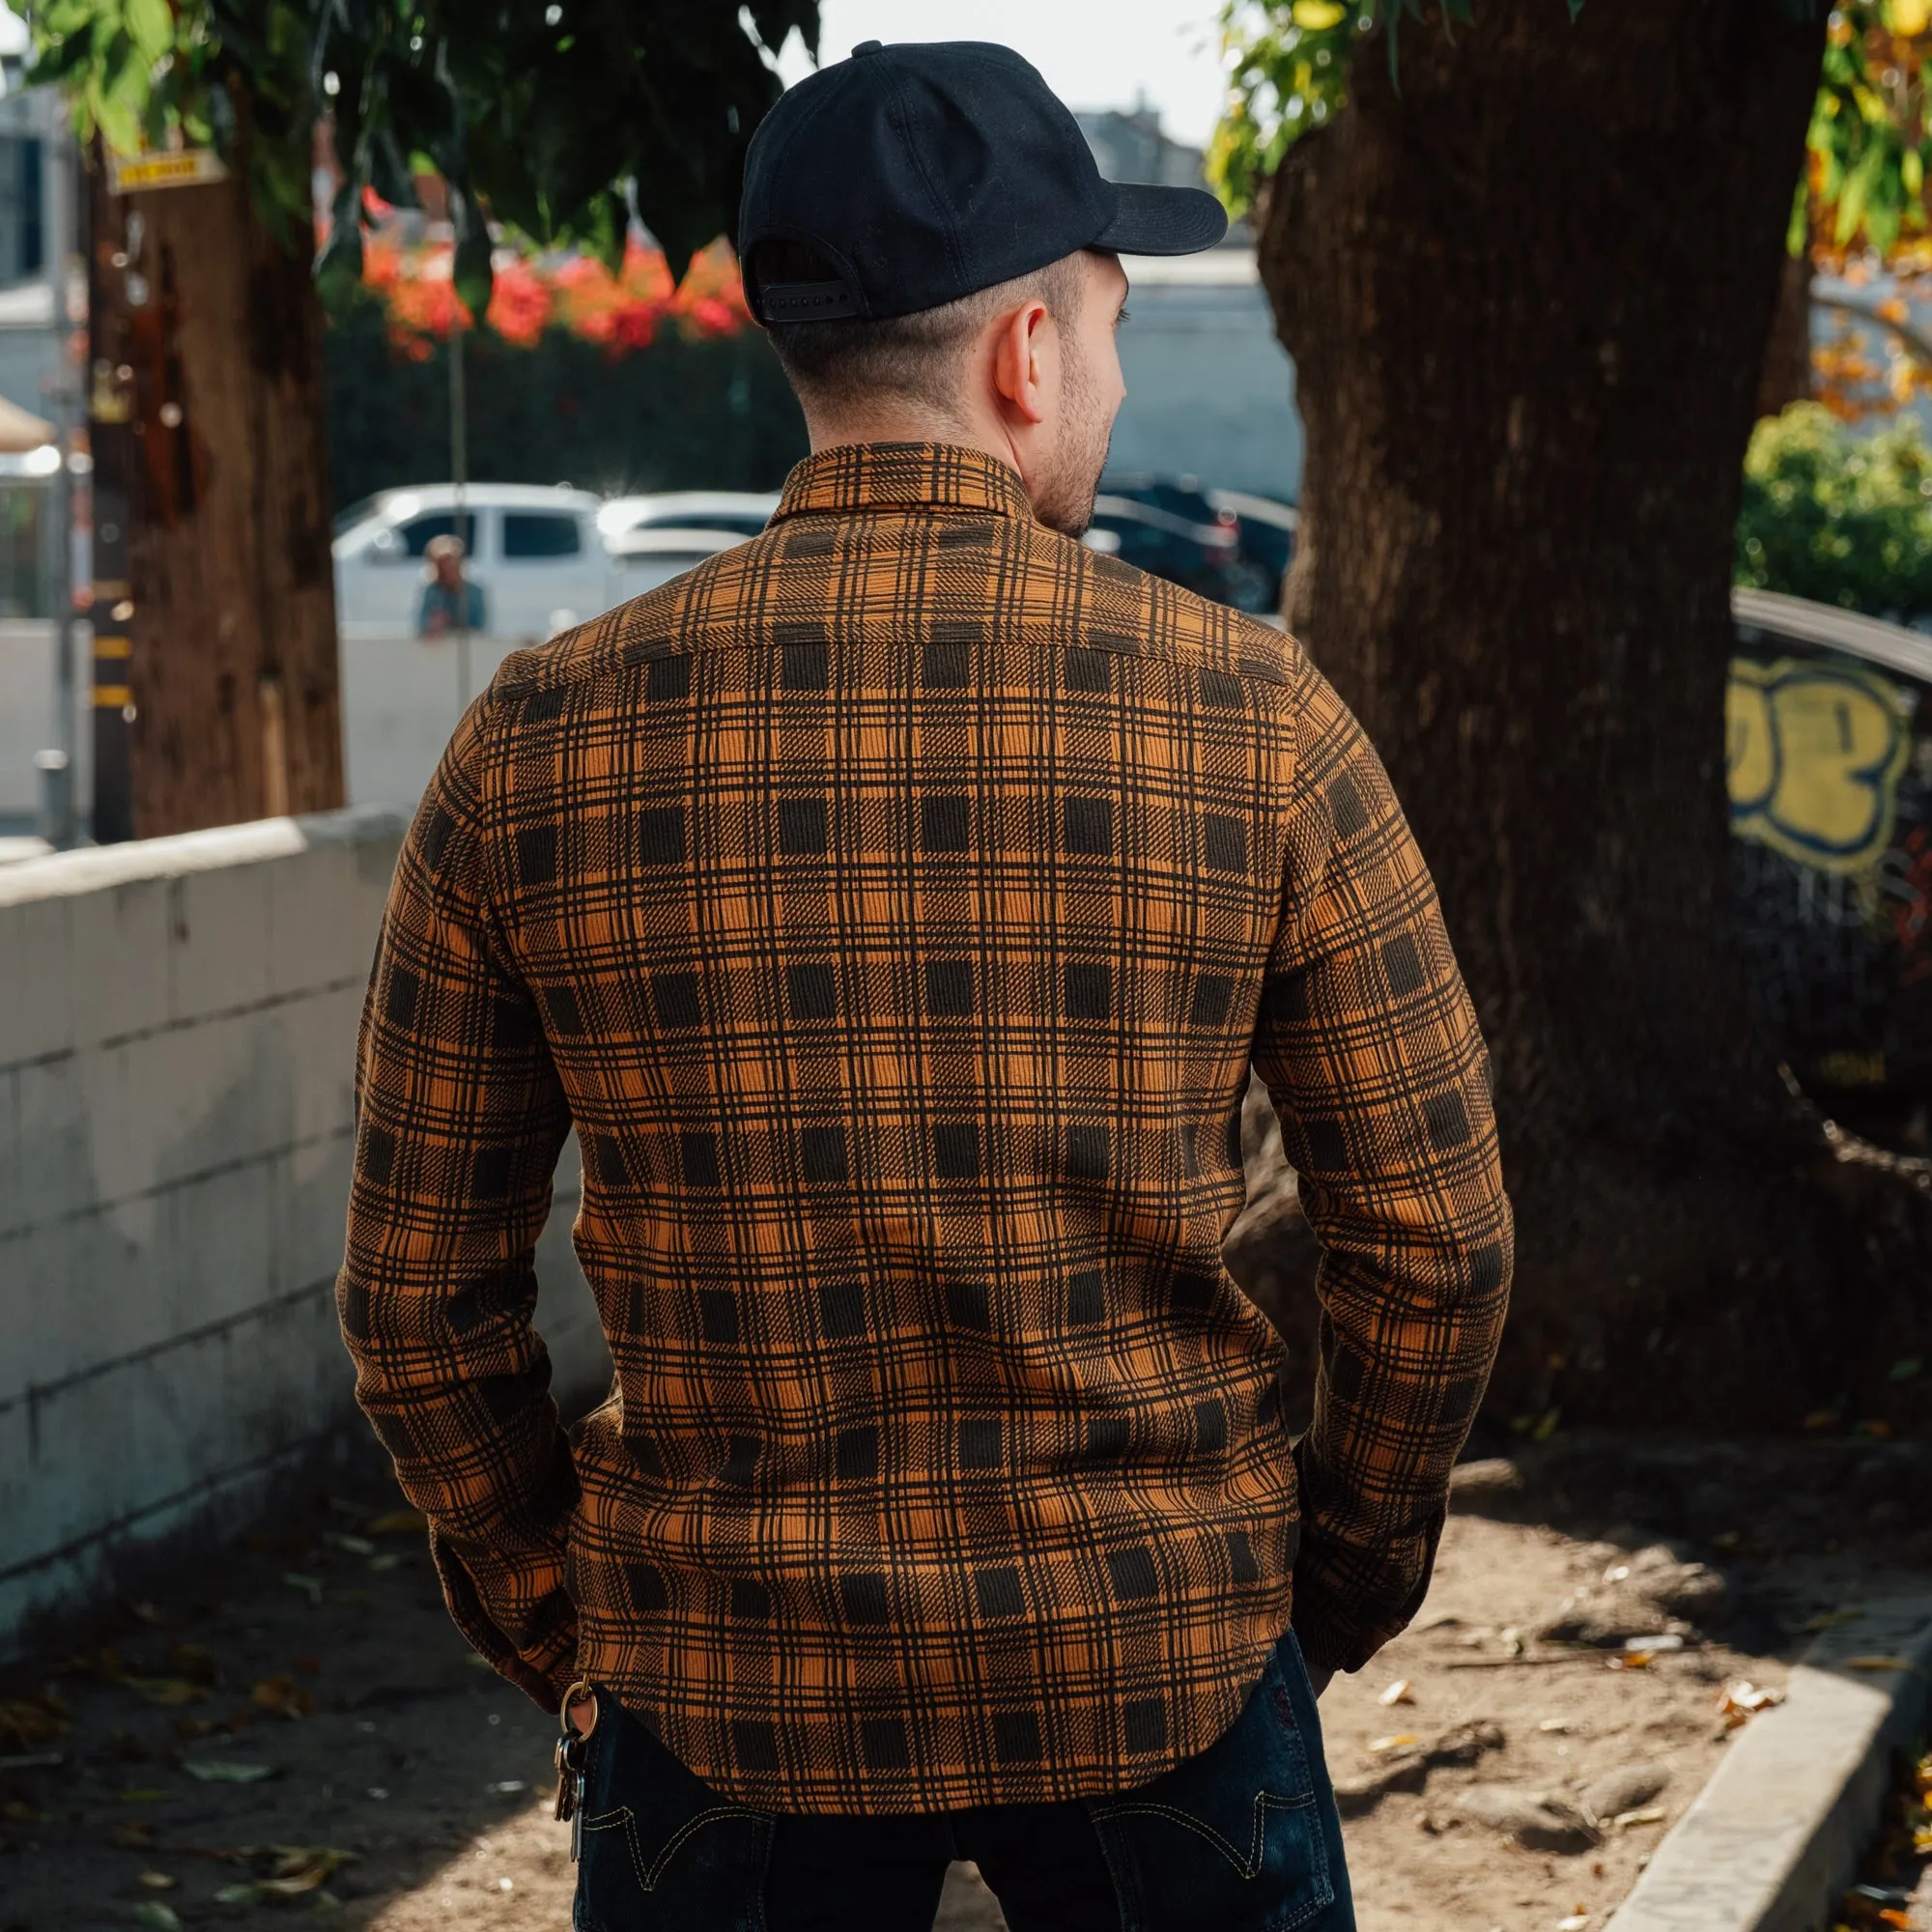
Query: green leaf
[
  {"x": 151, "y": 25},
  {"x": 225, "y": 1771},
  {"x": 472, "y": 272}
]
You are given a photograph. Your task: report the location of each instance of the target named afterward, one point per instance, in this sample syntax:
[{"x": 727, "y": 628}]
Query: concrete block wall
[{"x": 177, "y": 1051}]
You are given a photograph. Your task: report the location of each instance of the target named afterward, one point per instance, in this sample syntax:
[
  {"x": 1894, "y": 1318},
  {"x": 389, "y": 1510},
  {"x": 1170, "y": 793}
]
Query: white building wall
[{"x": 177, "y": 1053}]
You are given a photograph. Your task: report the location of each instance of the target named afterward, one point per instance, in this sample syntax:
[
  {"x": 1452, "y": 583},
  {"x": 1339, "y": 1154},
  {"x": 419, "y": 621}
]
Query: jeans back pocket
[
  {"x": 1229, "y": 1841},
  {"x": 659, "y": 1848}
]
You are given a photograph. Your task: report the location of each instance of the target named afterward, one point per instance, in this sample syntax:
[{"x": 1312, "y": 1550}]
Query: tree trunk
[
  {"x": 1786, "y": 375},
  {"x": 233, "y": 664},
  {"x": 1527, "y": 296}
]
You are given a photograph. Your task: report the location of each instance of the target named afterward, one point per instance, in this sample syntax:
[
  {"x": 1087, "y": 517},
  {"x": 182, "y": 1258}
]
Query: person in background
[{"x": 449, "y": 601}]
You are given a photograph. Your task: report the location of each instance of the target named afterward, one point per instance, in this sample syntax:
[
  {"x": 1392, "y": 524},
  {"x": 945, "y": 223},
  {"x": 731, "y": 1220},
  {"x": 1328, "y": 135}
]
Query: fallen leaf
[
  {"x": 1821, "y": 1419},
  {"x": 27, "y": 1721},
  {"x": 1827, "y": 1618},
  {"x": 161, "y": 1917},
  {"x": 286, "y": 1695},
  {"x": 135, "y": 1835},
  {"x": 391, "y": 1559},
  {"x": 159, "y": 1881},
  {"x": 506, "y": 1785},
  {"x": 398, "y": 1522},
  {"x": 1741, "y": 1700},
  {"x": 31, "y": 1761},
  {"x": 143, "y": 1794},
  {"x": 225, "y": 1771},
  {"x": 239, "y": 1894},
  {"x": 192, "y": 1660},
  {"x": 310, "y": 1586},
  {"x": 1907, "y": 1368},
  {"x": 355, "y": 1546},
  {"x": 1397, "y": 1692},
  {"x": 1644, "y": 1815},
  {"x": 166, "y": 1690}
]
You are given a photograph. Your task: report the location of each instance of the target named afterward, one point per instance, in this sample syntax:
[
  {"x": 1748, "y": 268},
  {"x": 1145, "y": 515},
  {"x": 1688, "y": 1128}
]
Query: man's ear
[{"x": 1025, "y": 350}]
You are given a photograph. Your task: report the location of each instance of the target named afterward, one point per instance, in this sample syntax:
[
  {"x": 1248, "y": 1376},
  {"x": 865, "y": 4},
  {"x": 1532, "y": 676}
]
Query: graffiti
[{"x": 1813, "y": 752}]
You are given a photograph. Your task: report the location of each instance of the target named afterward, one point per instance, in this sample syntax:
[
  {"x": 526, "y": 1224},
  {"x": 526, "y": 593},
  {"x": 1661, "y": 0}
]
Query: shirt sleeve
[
  {"x": 1368, "y": 1043},
  {"x": 460, "y": 1121}
]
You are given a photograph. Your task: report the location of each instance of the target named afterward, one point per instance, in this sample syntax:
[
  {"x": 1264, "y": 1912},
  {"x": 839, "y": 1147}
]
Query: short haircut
[{"x": 917, "y": 355}]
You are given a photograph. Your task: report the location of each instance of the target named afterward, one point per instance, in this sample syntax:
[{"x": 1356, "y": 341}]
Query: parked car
[
  {"x": 650, "y": 556},
  {"x": 1828, "y": 760},
  {"x": 747, "y": 512},
  {"x": 1229, "y": 572},
  {"x": 537, "y": 553},
  {"x": 1205, "y": 558}
]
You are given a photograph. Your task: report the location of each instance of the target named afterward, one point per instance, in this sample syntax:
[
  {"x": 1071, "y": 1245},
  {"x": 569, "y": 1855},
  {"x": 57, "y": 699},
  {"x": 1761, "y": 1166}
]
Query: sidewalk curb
[{"x": 1773, "y": 1839}]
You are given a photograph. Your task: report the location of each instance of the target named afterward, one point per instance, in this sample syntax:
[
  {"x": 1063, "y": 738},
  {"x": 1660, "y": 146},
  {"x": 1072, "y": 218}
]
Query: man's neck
[{"x": 910, "y": 426}]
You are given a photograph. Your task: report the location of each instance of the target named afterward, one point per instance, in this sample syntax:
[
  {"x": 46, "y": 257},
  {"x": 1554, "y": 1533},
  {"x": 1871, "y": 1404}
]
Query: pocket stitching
[
  {"x": 624, "y": 1817},
  {"x": 1249, "y": 1867}
]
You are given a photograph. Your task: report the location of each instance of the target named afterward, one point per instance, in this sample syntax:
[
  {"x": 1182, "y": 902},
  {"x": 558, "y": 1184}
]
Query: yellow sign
[
  {"x": 187, "y": 167},
  {"x": 1813, "y": 752}
]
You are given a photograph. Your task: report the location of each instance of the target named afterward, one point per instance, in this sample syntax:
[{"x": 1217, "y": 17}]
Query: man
[
  {"x": 449, "y": 601},
  {"x": 894, "y": 906}
]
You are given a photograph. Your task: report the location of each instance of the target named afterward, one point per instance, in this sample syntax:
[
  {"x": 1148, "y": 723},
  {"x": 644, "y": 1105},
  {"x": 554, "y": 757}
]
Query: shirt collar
[{"x": 858, "y": 476}]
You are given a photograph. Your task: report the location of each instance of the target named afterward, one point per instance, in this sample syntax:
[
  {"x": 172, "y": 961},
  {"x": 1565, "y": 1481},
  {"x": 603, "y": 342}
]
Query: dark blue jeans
[{"x": 1242, "y": 1838}]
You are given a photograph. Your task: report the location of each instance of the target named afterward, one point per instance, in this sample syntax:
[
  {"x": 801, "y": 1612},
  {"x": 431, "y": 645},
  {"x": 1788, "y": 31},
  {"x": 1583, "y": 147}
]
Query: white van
[{"x": 537, "y": 553}]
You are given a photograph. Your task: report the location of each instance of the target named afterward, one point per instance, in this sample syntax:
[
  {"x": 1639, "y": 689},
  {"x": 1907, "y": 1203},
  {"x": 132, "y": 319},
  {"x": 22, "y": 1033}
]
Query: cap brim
[{"x": 1151, "y": 220}]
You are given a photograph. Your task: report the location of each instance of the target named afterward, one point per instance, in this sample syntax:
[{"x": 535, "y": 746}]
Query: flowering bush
[{"x": 574, "y": 293}]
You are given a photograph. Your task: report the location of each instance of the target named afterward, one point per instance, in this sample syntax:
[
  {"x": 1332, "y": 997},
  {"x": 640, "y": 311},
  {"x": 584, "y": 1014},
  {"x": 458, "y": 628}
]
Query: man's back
[{"x": 893, "y": 904}]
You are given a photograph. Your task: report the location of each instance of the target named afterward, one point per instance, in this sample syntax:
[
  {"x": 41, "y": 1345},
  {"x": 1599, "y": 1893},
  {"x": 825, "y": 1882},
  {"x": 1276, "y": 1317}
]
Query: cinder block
[
  {"x": 118, "y": 959},
  {"x": 315, "y": 1043},
  {"x": 218, "y": 949},
  {"x": 35, "y": 983},
  {"x": 316, "y": 919},
  {"x": 53, "y": 1171},
  {"x": 83, "y": 1292},
  {"x": 223, "y": 1246},
  {"x": 312, "y": 1210},
  {"x": 207, "y": 1094}
]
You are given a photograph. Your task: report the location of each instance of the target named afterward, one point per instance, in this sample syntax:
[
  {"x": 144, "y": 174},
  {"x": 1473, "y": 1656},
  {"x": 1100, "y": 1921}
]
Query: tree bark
[
  {"x": 1786, "y": 375},
  {"x": 233, "y": 664},
  {"x": 1527, "y": 296}
]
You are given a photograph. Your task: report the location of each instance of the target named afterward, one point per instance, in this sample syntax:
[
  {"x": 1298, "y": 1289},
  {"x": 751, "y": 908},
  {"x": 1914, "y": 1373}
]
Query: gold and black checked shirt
[{"x": 892, "y": 906}]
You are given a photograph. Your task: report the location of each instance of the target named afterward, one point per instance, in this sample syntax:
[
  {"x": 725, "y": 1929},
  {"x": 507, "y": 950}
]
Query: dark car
[
  {"x": 1829, "y": 759},
  {"x": 1205, "y": 558},
  {"x": 1250, "y": 580}
]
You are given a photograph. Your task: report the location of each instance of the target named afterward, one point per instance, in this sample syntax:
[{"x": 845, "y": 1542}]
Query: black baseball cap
[{"x": 930, "y": 169}]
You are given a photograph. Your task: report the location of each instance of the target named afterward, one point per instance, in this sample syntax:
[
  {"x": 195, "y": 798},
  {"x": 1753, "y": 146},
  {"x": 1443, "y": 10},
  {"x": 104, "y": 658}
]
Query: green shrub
[{"x": 1836, "y": 517}]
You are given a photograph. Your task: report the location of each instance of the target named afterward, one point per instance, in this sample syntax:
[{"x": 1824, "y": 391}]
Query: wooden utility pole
[{"x": 207, "y": 396}]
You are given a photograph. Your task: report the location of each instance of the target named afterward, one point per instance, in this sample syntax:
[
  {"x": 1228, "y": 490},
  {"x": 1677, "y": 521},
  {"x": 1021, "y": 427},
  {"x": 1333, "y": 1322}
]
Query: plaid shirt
[{"x": 892, "y": 905}]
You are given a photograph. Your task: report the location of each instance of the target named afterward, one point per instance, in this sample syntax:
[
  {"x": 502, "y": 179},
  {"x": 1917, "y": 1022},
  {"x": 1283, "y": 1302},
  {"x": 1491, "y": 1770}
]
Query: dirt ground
[{"x": 297, "y": 1713}]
